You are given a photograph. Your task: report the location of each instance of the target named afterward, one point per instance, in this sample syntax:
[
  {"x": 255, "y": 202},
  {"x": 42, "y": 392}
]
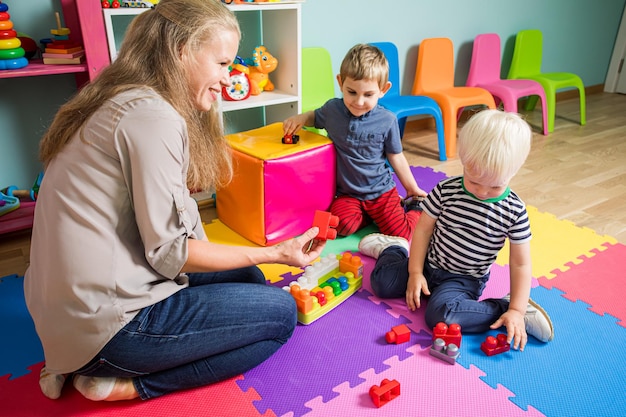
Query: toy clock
[{"x": 239, "y": 85}]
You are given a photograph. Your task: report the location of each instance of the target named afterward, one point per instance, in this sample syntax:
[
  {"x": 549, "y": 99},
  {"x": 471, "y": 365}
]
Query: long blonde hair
[{"x": 150, "y": 56}]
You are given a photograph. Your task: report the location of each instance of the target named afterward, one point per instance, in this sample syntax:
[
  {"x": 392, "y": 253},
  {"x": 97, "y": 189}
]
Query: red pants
[{"x": 385, "y": 211}]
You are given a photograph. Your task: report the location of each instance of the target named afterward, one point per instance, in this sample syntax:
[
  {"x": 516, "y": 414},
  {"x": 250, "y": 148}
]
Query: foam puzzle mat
[{"x": 328, "y": 367}]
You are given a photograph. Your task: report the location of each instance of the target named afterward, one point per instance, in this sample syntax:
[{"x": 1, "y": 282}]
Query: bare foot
[{"x": 105, "y": 389}]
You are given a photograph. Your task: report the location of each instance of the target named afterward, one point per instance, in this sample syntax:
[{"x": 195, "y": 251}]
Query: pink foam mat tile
[
  {"x": 428, "y": 387},
  {"x": 21, "y": 397},
  {"x": 596, "y": 280}
]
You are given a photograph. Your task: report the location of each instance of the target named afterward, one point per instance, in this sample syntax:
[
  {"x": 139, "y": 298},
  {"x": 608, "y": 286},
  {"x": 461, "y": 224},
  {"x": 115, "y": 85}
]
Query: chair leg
[
  {"x": 551, "y": 100},
  {"x": 544, "y": 115},
  {"x": 531, "y": 103},
  {"x": 449, "y": 129},
  {"x": 583, "y": 107},
  {"x": 402, "y": 125}
]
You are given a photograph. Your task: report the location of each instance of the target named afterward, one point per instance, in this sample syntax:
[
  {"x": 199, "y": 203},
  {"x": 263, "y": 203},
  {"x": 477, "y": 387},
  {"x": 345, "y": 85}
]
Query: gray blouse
[{"x": 112, "y": 220}]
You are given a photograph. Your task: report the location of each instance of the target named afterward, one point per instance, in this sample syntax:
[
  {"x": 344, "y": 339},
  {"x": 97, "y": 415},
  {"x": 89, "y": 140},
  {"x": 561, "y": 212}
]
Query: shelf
[
  {"x": 37, "y": 67},
  {"x": 266, "y": 98}
]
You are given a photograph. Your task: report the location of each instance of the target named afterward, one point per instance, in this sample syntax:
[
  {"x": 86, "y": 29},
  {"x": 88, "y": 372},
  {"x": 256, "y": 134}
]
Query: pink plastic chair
[{"x": 484, "y": 72}]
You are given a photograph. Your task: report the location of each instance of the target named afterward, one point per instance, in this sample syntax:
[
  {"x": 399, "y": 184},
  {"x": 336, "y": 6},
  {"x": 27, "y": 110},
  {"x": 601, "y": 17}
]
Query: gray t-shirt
[{"x": 112, "y": 220}]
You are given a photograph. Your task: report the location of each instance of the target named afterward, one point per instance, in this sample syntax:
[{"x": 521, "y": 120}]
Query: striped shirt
[{"x": 469, "y": 232}]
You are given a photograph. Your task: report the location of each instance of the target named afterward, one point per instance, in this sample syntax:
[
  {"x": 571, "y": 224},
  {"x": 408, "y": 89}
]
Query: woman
[{"x": 125, "y": 290}]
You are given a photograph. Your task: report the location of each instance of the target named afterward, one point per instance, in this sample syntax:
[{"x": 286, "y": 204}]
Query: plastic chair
[
  {"x": 526, "y": 63},
  {"x": 318, "y": 80},
  {"x": 434, "y": 77},
  {"x": 484, "y": 72},
  {"x": 404, "y": 106}
]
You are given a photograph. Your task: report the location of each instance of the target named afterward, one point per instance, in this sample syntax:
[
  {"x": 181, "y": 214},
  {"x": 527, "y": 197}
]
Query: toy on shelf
[
  {"x": 398, "y": 334},
  {"x": 8, "y": 203},
  {"x": 239, "y": 83},
  {"x": 61, "y": 50},
  {"x": 12, "y": 55},
  {"x": 13, "y": 191},
  {"x": 449, "y": 334},
  {"x": 261, "y": 65},
  {"x": 324, "y": 285},
  {"x": 108, "y": 4},
  {"x": 495, "y": 345},
  {"x": 326, "y": 223},
  {"x": 143, "y": 3},
  {"x": 387, "y": 391},
  {"x": 448, "y": 352}
]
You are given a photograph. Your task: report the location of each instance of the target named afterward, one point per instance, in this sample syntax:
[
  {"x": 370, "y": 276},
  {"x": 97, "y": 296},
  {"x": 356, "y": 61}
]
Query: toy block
[
  {"x": 319, "y": 272},
  {"x": 321, "y": 288},
  {"x": 446, "y": 352},
  {"x": 350, "y": 263},
  {"x": 326, "y": 223},
  {"x": 495, "y": 345},
  {"x": 398, "y": 334},
  {"x": 450, "y": 334},
  {"x": 387, "y": 391}
]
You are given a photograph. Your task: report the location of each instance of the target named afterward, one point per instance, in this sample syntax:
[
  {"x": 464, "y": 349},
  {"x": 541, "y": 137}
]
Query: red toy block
[
  {"x": 387, "y": 391},
  {"x": 449, "y": 334},
  {"x": 326, "y": 223},
  {"x": 398, "y": 334},
  {"x": 495, "y": 345}
]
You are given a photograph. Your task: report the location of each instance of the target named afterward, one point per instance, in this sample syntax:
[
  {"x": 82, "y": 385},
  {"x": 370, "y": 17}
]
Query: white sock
[
  {"x": 51, "y": 384},
  {"x": 94, "y": 388}
]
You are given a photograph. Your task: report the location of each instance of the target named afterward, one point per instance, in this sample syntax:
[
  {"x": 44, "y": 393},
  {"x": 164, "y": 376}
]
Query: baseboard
[{"x": 427, "y": 122}]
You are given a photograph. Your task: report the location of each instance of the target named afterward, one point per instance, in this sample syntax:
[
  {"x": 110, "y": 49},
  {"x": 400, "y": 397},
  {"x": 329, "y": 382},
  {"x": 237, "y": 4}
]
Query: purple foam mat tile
[
  {"x": 426, "y": 178},
  {"x": 334, "y": 349}
]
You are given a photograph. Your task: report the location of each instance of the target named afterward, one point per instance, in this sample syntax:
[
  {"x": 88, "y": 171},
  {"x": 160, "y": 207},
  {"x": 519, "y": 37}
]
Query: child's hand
[
  {"x": 295, "y": 123},
  {"x": 417, "y": 192},
  {"x": 513, "y": 320},
  {"x": 415, "y": 287}
]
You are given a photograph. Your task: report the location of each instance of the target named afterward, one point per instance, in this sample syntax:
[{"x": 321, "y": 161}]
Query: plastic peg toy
[
  {"x": 350, "y": 263},
  {"x": 398, "y": 334},
  {"x": 60, "y": 32},
  {"x": 448, "y": 352},
  {"x": 495, "y": 345},
  {"x": 450, "y": 334},
  {"x": 11, "y": 51},
  {"x": 387, "y": 391}
]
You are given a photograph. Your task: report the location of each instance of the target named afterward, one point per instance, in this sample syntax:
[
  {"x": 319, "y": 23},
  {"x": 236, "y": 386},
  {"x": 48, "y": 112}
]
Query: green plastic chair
[
  {"x": 318, "y": 80},
  {"x": 526, "y": 64}
]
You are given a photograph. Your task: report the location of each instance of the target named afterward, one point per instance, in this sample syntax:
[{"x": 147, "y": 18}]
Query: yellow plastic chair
[
  {"x": 318, "y": 80},
  {"x": 434, "y": 77},
  {"x": 526, "y": 63}
]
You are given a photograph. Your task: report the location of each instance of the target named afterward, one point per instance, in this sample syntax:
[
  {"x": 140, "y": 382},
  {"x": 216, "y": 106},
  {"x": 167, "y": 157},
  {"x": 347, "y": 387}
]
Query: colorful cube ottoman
[{"x": 277, "y": 187}]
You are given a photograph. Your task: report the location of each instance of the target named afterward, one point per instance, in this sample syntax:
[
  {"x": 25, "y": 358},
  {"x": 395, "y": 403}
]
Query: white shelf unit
[{"x": 275, "y": 25}]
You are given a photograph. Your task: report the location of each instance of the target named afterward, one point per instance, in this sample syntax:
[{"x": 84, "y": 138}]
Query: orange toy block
[{"x": 351, "y": 263}]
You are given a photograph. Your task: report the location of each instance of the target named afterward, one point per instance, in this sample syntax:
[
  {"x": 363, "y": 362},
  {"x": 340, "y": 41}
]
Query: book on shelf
[
  {"x": 72, "y": 55},
  {"x": 63, "y": 51},
  {"x": 66, "y": 61}
]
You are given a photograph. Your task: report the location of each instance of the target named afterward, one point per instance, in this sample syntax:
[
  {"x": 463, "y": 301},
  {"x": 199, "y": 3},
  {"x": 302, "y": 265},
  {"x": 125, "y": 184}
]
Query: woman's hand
[{"x": 300, "y": 251}]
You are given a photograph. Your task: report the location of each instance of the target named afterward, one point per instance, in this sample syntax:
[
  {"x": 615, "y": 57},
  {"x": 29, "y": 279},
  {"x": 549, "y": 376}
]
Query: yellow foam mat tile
[
  {"x": 218, "y": 232},
  {"x": 557, "y": 242}
]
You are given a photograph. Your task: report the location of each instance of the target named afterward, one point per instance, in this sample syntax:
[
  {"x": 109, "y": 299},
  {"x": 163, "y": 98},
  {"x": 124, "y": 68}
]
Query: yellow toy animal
[{"x": 260, "y": 66}]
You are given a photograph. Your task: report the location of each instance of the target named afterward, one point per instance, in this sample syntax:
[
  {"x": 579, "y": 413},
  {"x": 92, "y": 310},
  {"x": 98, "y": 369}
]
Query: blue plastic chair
[{"x": 404, "y": 106}]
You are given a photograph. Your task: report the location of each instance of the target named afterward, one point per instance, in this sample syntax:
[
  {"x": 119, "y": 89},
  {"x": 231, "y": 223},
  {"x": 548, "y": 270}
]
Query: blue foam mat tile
[
  {"x": 582, "y": 372},
  {"x": 19, "y": 347}
]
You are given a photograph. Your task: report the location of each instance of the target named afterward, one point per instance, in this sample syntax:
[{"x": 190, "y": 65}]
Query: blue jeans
[
  {"x": 453, "y": 297},
  {"x": 223, "y": 324}
]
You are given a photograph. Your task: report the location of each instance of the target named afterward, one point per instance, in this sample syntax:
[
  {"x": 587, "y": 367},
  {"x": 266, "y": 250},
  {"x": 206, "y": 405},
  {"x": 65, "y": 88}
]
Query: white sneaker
[
  {"x": 538, "y": 323},
  {"x": 373, "y": 244}
]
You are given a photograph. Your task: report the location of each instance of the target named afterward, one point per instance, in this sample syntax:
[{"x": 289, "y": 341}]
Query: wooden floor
[{"x": 576, "y": 173}]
